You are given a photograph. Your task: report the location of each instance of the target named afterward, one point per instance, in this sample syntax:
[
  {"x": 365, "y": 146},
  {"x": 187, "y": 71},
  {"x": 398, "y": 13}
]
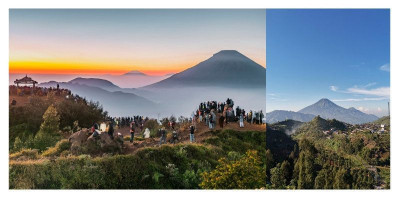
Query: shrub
[
  {"x": 245, "y": 173},
  {"x": 25, "y": 154},
  {"x": 18, "y": 144},
  {"x": 178, "y": 166},
  {"x": 61, "y": 146}
]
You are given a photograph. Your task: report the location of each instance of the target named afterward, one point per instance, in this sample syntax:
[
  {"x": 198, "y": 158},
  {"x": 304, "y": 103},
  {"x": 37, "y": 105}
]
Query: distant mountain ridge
[
  {"x": 227, "y": 68},
  {"x": 383, "y": 120},
  {"x": 282, "y": 115},
  {"x": 117, "y": 103},
  {"x": 227, "y": 74},
  {"x": 325, "y": 109},
  {"x": 136, "y": 72},
  {"x": 94, "y": 82}
]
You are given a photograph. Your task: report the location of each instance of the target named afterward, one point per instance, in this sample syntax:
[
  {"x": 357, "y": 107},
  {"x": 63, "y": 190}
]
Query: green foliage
[
  {"x": 61, "y": 146},
  {"x": 230, "y": 140},
  {"x": 25, "y": 154},
  {"x": 153, "y": 126},
  {"x": 166, "y": 167},
  {"x": 151, "y": 168},
  {"x": 278, "y": 180},
  {"x": 48, "y": 134},
  {"x": 383, "y": 120},
  {"x": 18, "y": 144},
  {"x": 245, "y": 173},
  {"x": 25, "y": 121}
]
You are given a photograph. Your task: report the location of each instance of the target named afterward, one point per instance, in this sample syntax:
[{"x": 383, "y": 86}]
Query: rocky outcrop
[{"x": 84, "y": 142}]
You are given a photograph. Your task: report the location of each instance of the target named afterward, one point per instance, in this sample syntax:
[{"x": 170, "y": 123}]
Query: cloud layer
[{"x": 385, "y": 67}]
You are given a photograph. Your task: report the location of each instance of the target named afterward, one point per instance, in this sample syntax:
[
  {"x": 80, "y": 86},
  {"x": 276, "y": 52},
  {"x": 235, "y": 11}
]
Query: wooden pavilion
[{"x": 25, "y": 80}]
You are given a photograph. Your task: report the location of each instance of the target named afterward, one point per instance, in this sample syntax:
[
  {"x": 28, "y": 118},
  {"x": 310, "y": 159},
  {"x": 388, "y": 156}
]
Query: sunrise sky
[{"x": 155, "y": 42}]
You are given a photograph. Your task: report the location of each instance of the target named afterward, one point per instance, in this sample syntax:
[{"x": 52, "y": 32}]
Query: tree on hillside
[
  {"x": 342, "y": 179},
  {"x": 48, "y": 134},
  {"x": 305, "y": 167},
  {"x": 269, "y": 162},
  {"x": 277, "y": 178}
]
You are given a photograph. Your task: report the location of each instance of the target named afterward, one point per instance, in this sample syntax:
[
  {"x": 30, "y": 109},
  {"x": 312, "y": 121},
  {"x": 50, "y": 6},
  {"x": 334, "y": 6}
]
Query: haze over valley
[{"x": 227, "y": 74}]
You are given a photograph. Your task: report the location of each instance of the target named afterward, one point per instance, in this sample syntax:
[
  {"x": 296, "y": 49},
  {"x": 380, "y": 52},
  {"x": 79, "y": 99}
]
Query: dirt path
[{"x": 202, "y": 132}]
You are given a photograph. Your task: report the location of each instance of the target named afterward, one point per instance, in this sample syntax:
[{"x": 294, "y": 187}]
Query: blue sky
[{"x": 343, "y": 55}]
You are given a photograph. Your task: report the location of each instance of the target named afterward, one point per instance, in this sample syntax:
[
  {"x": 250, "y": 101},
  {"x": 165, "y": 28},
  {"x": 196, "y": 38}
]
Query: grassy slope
[{"x": 168, "y": 166}]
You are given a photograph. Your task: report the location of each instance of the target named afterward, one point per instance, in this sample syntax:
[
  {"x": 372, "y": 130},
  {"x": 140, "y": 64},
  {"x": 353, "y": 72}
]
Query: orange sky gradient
[
  {"x": 154, "y": 42},
  {"x": 30, "y": 67}
]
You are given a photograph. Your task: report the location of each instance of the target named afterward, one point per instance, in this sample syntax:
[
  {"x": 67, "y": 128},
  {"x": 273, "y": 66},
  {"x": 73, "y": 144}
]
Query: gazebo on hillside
[{"x": 25, "y": 80}]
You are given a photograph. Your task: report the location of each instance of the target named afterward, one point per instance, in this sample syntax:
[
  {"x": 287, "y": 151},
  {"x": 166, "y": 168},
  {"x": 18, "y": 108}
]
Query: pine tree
[{"x": 48, "y": 134}]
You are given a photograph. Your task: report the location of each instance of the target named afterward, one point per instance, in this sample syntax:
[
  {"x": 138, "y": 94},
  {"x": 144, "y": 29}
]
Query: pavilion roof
[{"x": 26, "y": 80}]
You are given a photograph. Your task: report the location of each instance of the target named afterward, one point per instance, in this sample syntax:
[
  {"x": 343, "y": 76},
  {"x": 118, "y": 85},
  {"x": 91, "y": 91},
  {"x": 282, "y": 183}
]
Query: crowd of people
[{"x": 206, "y": 113}]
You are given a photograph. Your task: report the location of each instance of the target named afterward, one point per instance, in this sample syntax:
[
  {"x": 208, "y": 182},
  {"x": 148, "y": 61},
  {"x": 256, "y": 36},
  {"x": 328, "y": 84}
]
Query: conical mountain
[
  {"x": 227, "y": 68},
  {"x": 329, "y": 110}
]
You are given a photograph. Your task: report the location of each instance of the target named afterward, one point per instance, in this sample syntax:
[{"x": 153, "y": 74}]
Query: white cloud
[
  {"x": 380, "y": 92},
  {"x": 360, "y": 99},
  {"x": 379, "y": 109},
  {"x": 333, "y": 88},
  {"x": 385, "y": 67},
  {"x": 362, "y": 109},
  {"x": 369, "y": 85}
]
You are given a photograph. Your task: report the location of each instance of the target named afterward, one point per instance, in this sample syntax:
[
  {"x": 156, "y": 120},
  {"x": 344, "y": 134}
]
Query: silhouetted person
[
  {"x": 221, "y": 121},
  {"x": 111, "y": 130},
  {"x": 132, "y": 131}
]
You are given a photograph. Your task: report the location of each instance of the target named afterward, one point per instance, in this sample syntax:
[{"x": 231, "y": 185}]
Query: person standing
[
  {"x": 261, "y": 117},
  {"x": 111, "y": 130},
  {"x": 221, "y": 121},
  {"x": 214, "y": 119},
  {"x": 163, "y": 136},
  {"x": 132, "y": 131},
  {"x": 174, "y": 136},
  {"x": 241, "y": 124},
  {"x": 191, "y": 134}
]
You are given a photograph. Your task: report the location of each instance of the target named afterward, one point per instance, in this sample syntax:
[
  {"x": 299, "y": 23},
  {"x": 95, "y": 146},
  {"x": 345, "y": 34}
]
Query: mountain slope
[
  {"x": 95, "y": 82},
  {"x": 288, "y": 126},
  {"x": 227, "y": 68},
  {"x": 329, "y": 110},
  {"x": 316, "y": 126},
  {"x": 282, "y": 115},
  {"x": 116, "y": 103},
  {"x": 383, "y": 120}
]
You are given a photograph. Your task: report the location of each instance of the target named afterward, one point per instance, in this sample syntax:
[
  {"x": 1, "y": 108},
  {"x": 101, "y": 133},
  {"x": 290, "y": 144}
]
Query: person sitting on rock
[
  {"x": 120, "y": 138},
  {"x": 95, "y": 130},
  {"x": 174, "y": 137}
]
